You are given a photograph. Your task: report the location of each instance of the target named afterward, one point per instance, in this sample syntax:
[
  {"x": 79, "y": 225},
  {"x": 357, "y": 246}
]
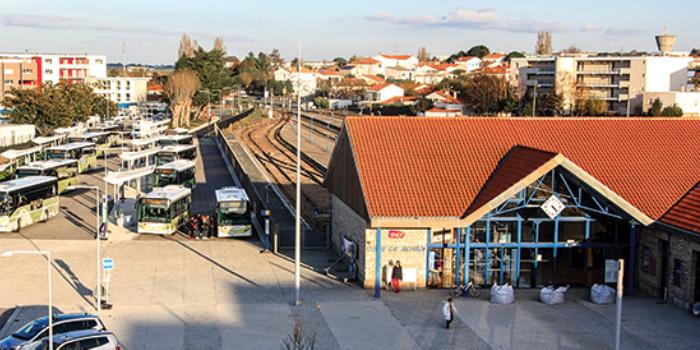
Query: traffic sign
[
  {"x": 107, "y": 264},
  {"x": 265, "y": 212}
]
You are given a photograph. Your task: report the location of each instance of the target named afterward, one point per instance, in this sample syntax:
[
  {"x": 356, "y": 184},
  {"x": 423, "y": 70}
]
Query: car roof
[
  {"x": 85, "y": 333},
  {"x": 44, "y": 321}
]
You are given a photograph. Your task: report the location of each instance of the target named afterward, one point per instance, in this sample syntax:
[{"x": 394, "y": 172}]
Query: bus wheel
[{"x": 18, "y": 225}]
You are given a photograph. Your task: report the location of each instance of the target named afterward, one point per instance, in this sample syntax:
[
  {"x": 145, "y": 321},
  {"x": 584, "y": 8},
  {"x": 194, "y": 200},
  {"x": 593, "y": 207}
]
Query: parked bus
[
  {"x": 65, "y": 170},
  {"x": 143, "y": 144},
  {"x": 23, "y": 156},
  {"x": 168, "y": 154},
  {"x": 113, "y": 131},
  {"x": 83, "y": 152},
  {"x": 164, "y": 210},
  {"x": 26, "y": 201},
  {"x": 147, "y": 128},
  {"x": 179, "y": 139},
  {"x": 137, "y": 160},
  {"x": 178, "y": 172},
  {"x": 101, "y": 140},
  {"x": 232, "y": 213}
]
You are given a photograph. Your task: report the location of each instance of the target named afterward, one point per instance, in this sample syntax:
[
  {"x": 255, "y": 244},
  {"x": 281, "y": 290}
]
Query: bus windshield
[
  {"x": 55, "y": 154},
  {"x": 154, "y": 213},
  {"x": 165, "y": 158},
  {"x": 230, "y": 218},
  {"x": 6, "y": 206}
]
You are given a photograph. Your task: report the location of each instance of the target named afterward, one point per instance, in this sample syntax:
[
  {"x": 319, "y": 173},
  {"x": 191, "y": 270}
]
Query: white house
[
  {"x": 492, "y": 60},
  {"x": 405, "y": 61},
  {"x": 688, "y": 101},
  {"x": 443, "y": 100},
  {"x": 398, "y": 73},
  {"x": 382, "y": 92},
  {"x": 306, "y": 79},
  {"x": 363, "y": 66},
  {"x": 468, "y": 63},
  {"x": 441, "y": 112}
]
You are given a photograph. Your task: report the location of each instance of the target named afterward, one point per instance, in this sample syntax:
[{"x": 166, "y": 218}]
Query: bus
[
  {"x": 65, "y": 170},
  {"x": 23, "y": 156},
  {"x": 48, "y": 141},
  {"x": 147, "y": 128},
  {"x": 143, "y": 144},
  {"x": 139, "y": 159},
  {"x": 168, "y": 154},
  {"x": 164, "y": 210},
  {"x": 113, "y": 130},
  {"x": 102, "y": 140},
  {"x": 180, "y": 139},
  {"x": 178, "y": 172},
  {"x": 83, "y": 152},
  {"x": 26, "y": 201},
  {"x": 232, "y": 213}
]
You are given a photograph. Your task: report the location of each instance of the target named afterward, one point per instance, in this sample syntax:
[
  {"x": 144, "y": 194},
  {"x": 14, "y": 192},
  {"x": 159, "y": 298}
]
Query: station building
[{"x": 530, "y": 202}]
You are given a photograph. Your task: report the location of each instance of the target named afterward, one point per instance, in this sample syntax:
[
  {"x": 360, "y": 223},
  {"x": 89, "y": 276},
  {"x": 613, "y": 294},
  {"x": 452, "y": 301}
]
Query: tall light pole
[
  {"x": 98, "y": 286},
  {"x": 47, "y": 254},
  {"x": 297, "y": 221}
]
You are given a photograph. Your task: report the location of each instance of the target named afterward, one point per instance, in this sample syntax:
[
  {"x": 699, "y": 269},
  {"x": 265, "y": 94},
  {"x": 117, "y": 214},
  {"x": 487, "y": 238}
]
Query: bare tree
[
  {"x": 187, "y": 46},
  {"x": 298, "y": 339},
  {"x": 544, "y": 43},
  {"x": 423, "y": 54},
  {"x": 572, "y": 49},
  {"x": 219, "y": 44},
  {"x": 180, "y": 88}
]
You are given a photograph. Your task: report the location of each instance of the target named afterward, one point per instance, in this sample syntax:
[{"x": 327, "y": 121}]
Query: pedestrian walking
[
  {"x": 192, "y": 223},
  {"x": 388, "y": 274},
  {"x": 396, "y": 276},
  {"x": 206, "y": 225},
  {"x": 449, "y": 311}
]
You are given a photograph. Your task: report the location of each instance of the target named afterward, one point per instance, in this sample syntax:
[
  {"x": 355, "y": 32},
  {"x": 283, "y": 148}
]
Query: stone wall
[
  {"x": 347, "y": 223},
  {"x": 681, "y": 265}
]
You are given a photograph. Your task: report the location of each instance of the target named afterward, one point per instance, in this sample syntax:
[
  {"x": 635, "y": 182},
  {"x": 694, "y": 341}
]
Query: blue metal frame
[{"x": 378, "y": 264}]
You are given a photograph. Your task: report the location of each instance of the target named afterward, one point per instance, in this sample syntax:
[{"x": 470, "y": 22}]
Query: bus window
[{"x": 150, "y": 213}]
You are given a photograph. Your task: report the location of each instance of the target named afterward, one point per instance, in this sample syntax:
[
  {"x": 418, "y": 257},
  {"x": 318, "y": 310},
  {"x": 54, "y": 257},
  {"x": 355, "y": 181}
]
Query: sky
[{"x": 150, "y": 30}]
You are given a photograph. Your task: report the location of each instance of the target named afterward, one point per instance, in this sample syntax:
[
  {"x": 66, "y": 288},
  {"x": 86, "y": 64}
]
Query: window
[
  {"x": 92, "y": 343},
  {"x": 677, "y": 272},
  {"x": 8, "y": 81},
  {"x": 48, "y": 71},
  {"x": 67, "y": 327},
  {"x": 48, "y": 60},
  {"x": 648, "y": 261},
  {"x": 9, "y": 71},
  {"x": 99, "y": 61},
  {"x": 27, "y": 71}
]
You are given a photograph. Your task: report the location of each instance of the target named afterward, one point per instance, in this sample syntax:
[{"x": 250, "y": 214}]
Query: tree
[
  {"x": 55, "y": 106},
  {"x": 550, "y": 105},
  {"x": 298, "y": 339},
  {"x": 423, "y": 54},
  {"x": 656, "y": 108},
  {"x": 672, "y": 111},
  {"x": 572, "y": 49},
  {"x": 513, "y": 54},
  {"x": 219, "y": 44},
  {"x": 321, "y": 102},
  {"x": 214, "y": 77},
  {"x": 187, "y": 46},
  {"x": 695, "y": 52},
  {"x": 544, "y": 43},
  {"x": 478, "y": 51},
  {"x": 340, "y": 62},
  {"x": 592, "y": 107},
  {"x": 483, "y": 94},
  {"x": 422, "y": 104},
  {"x": 276, "y": 58},
  {"x": 180, "y": 88}
]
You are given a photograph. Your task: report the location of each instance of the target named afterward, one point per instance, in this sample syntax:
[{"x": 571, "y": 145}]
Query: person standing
[
  {"x": 396, "y": 276},
  {"x": 388, "y": 274},
  {"x": 449, "y": 311}
]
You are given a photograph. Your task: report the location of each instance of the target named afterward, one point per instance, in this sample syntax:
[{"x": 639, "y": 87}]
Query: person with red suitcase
[{"x": 396, "y": 276}]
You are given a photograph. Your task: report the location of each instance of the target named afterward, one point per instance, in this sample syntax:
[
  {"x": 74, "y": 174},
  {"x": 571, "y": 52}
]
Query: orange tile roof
[
  {"x": 465, "y": 58},
  {"x": 374, "y": 77},
  {"x": 329, "y": 72},
  {"x": 399, "y": 99},
  {"x": 442, "y": 110},
  {"x": 436, "y": 167},
  {"x": 446, "y": 97},
  {"x": 378, "y": 87},
  {"x": 364, "y": 61},
  {"x": 396, "y": 57},
  {"x": 685, "y": 214},
  {"x": 493, "y": 56}
]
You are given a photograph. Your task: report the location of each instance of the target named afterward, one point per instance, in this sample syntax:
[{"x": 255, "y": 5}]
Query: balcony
[
  {"x": 598, "y": 71},
  {"x": 597, "y": 85},
  {"x": 538, "y": 71},
  {"x": 539, "y": 84}
]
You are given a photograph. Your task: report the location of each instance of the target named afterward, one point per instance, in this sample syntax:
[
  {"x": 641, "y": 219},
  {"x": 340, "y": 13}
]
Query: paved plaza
[{"x": 174, "y": 294}]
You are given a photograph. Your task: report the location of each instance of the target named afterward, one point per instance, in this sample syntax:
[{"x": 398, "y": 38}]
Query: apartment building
[
  {"x": 124, "y": 91},
  {"x": 65, "y": 67},
  {"x": 621, "y": 81},
  {"x": 17, "y": 72}
]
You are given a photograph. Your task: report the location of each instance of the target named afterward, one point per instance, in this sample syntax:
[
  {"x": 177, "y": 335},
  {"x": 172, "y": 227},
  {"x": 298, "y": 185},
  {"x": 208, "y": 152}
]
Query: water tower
[{"x": 665, "y": 42}]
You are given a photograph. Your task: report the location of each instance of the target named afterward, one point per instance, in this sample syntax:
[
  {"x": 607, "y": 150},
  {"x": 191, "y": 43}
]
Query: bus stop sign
[{"x": 107, "y": 264}]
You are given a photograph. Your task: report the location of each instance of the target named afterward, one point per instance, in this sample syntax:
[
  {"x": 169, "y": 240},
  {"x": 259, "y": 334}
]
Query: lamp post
[
  {"x": 47, "y": 254},
  {"x": 297, "y": 223},
  {"x": 98, "y": 287}
]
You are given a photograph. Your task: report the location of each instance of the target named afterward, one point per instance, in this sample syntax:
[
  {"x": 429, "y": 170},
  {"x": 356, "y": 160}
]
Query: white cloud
[{"x": 489, "y": 19}]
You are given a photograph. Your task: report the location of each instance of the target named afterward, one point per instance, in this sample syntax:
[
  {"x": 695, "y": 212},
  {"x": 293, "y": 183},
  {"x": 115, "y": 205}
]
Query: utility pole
[
  {"x": 534, "y": 101},
  {"x": 297, "y": 221}
]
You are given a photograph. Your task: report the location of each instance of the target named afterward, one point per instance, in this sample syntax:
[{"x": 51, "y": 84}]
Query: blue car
[{"x": 39, "y": 329}]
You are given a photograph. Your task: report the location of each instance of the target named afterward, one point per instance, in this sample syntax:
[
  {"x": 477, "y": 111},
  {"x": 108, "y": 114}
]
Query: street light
[
  {"x": 98, "y": 288},
  {"x": 47, "y": 254}
]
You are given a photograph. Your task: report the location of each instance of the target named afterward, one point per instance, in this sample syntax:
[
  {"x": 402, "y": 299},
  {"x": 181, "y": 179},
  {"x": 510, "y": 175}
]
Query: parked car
[
  {"x": 78, "y": 340},
  {"x": 39, "y": 329}
]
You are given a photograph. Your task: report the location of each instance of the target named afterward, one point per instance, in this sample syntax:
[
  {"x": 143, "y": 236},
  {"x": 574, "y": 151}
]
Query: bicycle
[{"x": 463, "y": 290}]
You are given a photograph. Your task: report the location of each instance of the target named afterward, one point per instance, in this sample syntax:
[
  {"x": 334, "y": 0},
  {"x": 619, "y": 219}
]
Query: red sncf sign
[{"x": 396, "y": 234}]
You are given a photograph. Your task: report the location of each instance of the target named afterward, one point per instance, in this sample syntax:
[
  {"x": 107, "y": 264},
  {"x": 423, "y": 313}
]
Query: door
[
  {"x": 663, "y": 253},
  {"x": 696, "y": 257}
]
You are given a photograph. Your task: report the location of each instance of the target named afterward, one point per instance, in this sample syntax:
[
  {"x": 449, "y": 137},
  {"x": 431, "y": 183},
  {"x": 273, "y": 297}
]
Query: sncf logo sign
[{"x": 395, "y": 234}]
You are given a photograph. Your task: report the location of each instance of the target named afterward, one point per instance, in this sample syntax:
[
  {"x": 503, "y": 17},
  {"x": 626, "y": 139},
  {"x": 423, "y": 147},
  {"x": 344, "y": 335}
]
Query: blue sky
[{"x": 151, "y": 28}]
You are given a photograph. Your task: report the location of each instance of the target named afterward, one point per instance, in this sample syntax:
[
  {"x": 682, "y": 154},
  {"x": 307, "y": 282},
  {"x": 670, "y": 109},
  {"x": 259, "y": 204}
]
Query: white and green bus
[
  {"x": 178, "y": 172},
  {"x": 179, "y": 139},
  {"x": 232, "y": 213},
  {"x": 18, "y": 157},
  {"x": 102, "y": 140},
  {"x": 83, "y": 152},
  {"x": 170, "y": 153},
  {"x": 65, "y": 170},
  {"x": 49, "y": 141},
  {"x": 26, "y": 201},
  {"x": 164, "y": 210}
]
